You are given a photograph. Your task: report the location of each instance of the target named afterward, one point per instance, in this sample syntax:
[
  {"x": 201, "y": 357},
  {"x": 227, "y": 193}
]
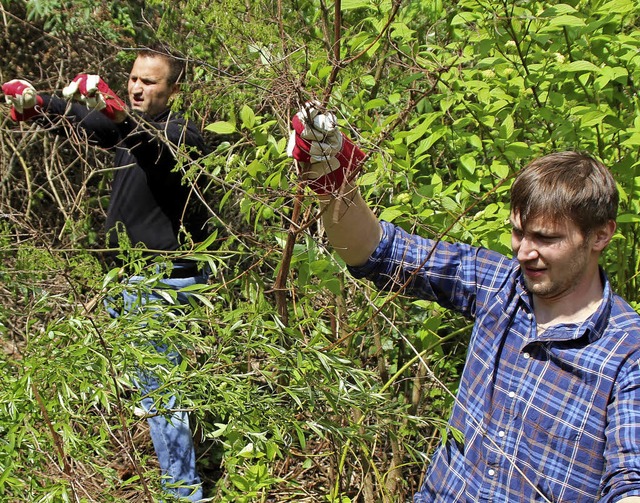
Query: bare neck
[{"x": 573, "y": 306}]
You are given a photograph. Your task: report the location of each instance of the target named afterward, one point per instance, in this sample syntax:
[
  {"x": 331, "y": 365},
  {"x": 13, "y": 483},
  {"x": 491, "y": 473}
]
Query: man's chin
[{"x": 536, "y": 287}]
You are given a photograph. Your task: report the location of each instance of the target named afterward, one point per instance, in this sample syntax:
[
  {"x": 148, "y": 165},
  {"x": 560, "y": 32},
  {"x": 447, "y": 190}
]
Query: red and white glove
[
  {"x": 94, "y": 93},
  {"x": 328, "y": 155},
  {"x": 23, "y": 99}
]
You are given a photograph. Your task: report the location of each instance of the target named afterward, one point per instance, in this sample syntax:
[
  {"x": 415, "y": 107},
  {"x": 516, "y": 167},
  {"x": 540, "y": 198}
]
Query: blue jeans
[{"x": 170, "y": 431}]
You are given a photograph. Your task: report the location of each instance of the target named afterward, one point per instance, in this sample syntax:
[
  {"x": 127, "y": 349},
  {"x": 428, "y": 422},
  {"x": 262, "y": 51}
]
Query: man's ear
[{"x": 603, "y": 235}]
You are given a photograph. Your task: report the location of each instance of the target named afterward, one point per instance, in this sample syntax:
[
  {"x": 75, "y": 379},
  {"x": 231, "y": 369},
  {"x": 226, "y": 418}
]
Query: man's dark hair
[
  {"x": 563, "y": 185},
  {"x": 177, "y": 66}
]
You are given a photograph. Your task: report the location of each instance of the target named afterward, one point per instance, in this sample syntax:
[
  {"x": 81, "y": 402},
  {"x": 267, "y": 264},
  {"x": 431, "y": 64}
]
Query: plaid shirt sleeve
[
  {"x": 622, "y": 451},
  {"x": 453, "y": 274}
]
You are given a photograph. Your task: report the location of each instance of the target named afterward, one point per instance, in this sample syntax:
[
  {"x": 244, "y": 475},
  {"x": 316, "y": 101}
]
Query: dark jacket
[{"x": 149, "y": 200}]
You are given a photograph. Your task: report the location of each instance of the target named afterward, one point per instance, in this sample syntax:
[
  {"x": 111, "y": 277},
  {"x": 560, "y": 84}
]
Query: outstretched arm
[
  {"x": 327, "y": 160},
  {"x": 351, "y": 226},
  {"x": 27, "y": 104}
]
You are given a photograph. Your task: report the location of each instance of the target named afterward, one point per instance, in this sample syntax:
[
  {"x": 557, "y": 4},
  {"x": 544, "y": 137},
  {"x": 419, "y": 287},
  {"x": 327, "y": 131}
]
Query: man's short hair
[
  {"x": 177, "y": 66},
  {"x": 565, "y": 185}
]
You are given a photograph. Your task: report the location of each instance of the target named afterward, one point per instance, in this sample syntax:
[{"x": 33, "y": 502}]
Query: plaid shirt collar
[{"x": 592, "y": 328}]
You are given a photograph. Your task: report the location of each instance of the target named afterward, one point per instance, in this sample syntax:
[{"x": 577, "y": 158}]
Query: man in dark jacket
[{"x": 150, "y": 205}]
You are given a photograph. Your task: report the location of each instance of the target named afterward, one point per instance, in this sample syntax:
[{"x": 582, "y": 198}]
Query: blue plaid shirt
[{"x": 550, "y": 417}]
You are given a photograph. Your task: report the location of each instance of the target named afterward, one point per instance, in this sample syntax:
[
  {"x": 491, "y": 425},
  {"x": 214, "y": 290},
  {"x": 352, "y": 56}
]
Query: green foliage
[
  {"x": 345, "y": 397},
  {"x": 111, "y": 20}
]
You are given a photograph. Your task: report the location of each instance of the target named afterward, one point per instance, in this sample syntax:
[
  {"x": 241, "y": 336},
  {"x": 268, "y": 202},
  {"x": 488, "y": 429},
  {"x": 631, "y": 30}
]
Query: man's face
[
  {"x": 555, "y": 258},
  {"x": 149, "y": 88}
]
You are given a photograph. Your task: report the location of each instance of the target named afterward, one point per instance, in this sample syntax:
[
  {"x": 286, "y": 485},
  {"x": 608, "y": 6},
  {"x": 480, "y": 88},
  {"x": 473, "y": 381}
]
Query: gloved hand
[
  {"x": 95, "y": 93},
  {"x": 327, "y": 154},
  {"x": 23, "y": 99}
]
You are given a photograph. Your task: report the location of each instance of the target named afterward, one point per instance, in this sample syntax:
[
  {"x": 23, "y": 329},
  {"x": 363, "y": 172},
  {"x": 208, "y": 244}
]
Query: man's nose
[{"x": 527, "y": 249}]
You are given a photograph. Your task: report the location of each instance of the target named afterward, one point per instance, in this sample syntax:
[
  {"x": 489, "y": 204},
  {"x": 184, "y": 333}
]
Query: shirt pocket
[
  {"x": 561, "y": 404},
  {"x": 564, "y": 431},
  {"x": 550, "y": 429}
]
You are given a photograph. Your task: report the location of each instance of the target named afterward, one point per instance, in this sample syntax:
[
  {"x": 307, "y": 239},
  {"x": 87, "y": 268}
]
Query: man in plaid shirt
[{"x": 549, "y": 400}]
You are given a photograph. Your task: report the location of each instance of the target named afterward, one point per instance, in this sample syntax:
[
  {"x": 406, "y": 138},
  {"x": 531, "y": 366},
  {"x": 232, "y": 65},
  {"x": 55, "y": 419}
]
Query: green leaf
[
  {"x": 375, "y": 103},
  {"x": 450, "y": 205},
  {"x": 354, "y": 4},
  {"x": 204, "y": 245},
  {"x": 431, "y": 139},
  {"x": 617, "y": 6},
  {"x": 391, "y": 213},
  {"x": 247, "y": 116},
  {"x": 401, "y": 31},
  {"x": 370, "y": 178},
  {"x": 633, "y": 140},
  {"x": 169, "y": 296},
  {"x": 240, "y": 482},
  {"x": 500, "y": 169},
  {"x": 580, "y": 67},
  {"x": 334, "y": 285},
  {"x": 567, "y": 20},
  {"x": 457, "y": 435},
  {"x": 558, "y": 10},
  {"x": 628, "y": 218},
  {"x": 248, "y": 451},
  {"x": 520, "y": 149},
  {"x": 221, "y": 127},
  {"x": 464, "y": 18},
  {"x": 592, "y": 118},
  {"x": 420, "y": 130},
  {"x": 468, "y": 162},
  {"x": 256, "y": 167},
  {"x": 507, "y": 128},
  {"x": 619, "y": 73},
  {"x": 111, "y": 276}
]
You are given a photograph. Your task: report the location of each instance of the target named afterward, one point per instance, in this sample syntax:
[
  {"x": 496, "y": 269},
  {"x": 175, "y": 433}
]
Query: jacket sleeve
[{"x": 65, "y": 116}]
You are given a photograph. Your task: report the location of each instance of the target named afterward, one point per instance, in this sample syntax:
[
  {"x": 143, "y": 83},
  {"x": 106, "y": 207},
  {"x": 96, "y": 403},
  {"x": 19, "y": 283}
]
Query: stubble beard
[{"x": 549, "y": 289}]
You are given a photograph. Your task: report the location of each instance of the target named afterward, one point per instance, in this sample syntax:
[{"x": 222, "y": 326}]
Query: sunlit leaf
[{"x": 221, "y": 127}]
